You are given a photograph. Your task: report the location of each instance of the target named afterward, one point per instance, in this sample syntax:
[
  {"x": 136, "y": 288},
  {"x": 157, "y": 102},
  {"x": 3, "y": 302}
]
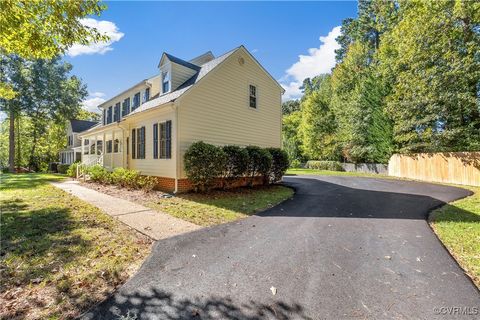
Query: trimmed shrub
[
  {"x": 236, "y": 163},
  {"x": 146, "y": 183},
  {"x": 203, "y": 163},
  {"x": 280, "y": 164},
  {"x": 72, "y": 170},
  {"x": 98, "y": 173},
  {"x": 125, "y": 178},
  {"x": 324, "y": 165},
  {"x": 259, "y": 164},
  {"x": 62, "y": 168}
]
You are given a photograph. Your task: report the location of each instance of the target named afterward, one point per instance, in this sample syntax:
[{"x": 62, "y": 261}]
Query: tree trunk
[
  {"x": 31, "y": 161},
  {"x": 11, "y": 141},
  {"x": 19, "y": 151}
]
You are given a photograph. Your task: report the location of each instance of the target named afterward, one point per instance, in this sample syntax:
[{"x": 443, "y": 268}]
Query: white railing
[{"x": 92, "y": 161}]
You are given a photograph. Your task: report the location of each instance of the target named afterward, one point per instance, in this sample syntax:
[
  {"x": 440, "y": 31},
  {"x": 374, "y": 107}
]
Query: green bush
[
  {"x": 125, "y": 178},
  {"x": 280, "y": 164},
  {"x": 295, "y": 163},
  {"x": 203, "y": 163},
  {"x": 72, "y": 170},
  {"x": 324, "y": 165},
  {"x": 62, "y": 168},
  {"x": 98, "y": 173},
  {"x": 236, "y": 163},
  {"x": 259, "y": 164},
  {"x": 146, "y": 183}
]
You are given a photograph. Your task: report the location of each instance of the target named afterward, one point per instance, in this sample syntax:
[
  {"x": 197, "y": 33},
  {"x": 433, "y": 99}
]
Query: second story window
[
  {"x": 253, "y": 97},
  {"x": 125, "y": 107},
  {"x": 136, "y": 101},
  {"x": 146, "y": 95},
  {"x": 116, "y": 114},
  {"x": 110, "y": 114},
  {"x": 165, "y": 82}
]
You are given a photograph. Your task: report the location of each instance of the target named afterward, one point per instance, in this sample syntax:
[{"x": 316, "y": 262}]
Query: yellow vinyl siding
[
  {"x": 217, "y": 109},
  {"x": 149, "y": 165}
]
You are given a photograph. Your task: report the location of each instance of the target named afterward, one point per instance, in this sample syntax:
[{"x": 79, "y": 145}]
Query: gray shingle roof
[
  {"x": 81, "y": 125},
  {"x": 181, "y": 62},
  {"x": 172, "y": 96}
]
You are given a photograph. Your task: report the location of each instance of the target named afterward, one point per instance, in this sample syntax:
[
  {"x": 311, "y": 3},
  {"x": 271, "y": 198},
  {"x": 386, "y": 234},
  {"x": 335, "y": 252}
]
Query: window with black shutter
[
  {"x": 163, "y": 140},
  {"x": 168, "y": 153},
  {"x": 134, "y": 146},
  {"x": 116, "y": 114},
  {"x": 109, "y": 114},
  {"x": 125, "y": 107},
  {"x": 146, "y": 97},
  {"x": 141, "y": 143},
  {"x": 116, "y": 145},
  {"x": 155, "y": 141}
]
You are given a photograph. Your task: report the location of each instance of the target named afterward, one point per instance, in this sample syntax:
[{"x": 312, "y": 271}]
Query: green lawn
[
  {"x": 301, "y": 171},
  {"x": 59, "y": 255},
  {"x": 221, "y": 206},
  {"x": 457, "y": 224}
]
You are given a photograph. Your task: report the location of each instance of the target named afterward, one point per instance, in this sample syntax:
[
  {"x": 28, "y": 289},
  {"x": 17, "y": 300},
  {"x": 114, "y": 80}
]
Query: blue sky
[{"x": 283, "y": 36}]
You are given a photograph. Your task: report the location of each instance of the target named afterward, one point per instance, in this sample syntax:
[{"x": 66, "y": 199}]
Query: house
[
  {"x": 230, "y": 99},
  {"x": 73, "y": 152}
]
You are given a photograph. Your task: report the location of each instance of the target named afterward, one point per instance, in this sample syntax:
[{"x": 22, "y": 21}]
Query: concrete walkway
[{"x": 155, "y": 224}]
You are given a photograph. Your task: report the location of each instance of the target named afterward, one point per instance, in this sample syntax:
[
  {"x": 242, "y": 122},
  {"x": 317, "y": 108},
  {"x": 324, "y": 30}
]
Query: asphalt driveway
[{"x": 342, "y": 248}]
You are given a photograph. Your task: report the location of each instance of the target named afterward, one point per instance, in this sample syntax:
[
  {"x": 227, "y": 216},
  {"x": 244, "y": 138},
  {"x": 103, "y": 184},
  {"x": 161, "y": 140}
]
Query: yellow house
[{"x": 230, "y": 99}]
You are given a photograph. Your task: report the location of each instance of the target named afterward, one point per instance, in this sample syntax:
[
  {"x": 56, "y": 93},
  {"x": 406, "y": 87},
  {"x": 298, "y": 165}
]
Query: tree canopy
[{"x": 407, "y": 79}]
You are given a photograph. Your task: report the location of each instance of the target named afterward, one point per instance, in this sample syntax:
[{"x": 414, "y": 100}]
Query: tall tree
[
  {"x": 318, "y": 125},
  {"x": 49, "y": 94},
  {"x": 432, "y": 61}
]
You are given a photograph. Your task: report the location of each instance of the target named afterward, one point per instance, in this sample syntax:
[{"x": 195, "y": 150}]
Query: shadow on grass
[
  {"x": 26, "y": 180},
  {"x": 36, "y": 244},
  {"x": 158, "y": 304}
]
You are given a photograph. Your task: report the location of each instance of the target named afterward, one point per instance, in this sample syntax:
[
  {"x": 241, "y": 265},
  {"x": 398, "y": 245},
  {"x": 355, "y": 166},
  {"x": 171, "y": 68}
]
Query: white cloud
[
  {"x": 94, "y": 100},
  {"x": 319, "y": 60},
  {"x": 104, "y": 27}
]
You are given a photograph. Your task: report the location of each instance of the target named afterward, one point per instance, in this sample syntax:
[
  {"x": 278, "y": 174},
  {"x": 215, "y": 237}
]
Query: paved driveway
[{"x": 342, "y": 248}]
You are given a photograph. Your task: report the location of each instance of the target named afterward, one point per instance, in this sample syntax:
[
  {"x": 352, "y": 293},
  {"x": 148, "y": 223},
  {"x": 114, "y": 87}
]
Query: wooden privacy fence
[{"x": 448, "y": 167}]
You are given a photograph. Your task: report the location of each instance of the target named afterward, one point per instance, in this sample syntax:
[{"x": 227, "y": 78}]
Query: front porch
[{"x": 105, "y": 148}]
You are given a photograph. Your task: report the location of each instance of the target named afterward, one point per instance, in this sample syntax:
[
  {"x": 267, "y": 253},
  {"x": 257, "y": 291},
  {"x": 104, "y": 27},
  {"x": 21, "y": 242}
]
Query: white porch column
[
  {"x": 103, "y": 149},
  {"x": 82, "y": 150}
]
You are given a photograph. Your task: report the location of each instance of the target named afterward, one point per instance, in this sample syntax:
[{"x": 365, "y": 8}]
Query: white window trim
[{"x": 251, "y": 83}]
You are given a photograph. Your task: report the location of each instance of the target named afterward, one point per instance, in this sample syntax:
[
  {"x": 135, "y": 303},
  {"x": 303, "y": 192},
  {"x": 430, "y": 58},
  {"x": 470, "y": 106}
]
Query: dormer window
[
  {"x": 136, "y": 101},
  {"x": 146, "y": 96},
  {"x": 165, "y": 81}
]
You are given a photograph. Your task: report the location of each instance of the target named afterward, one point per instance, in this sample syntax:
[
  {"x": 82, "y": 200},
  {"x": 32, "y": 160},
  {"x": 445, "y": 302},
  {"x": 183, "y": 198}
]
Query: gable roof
[
  {"x": 81, "y": 125},
  {"x": 172, "y": 96},
  {"x": 178, "y": 61}
]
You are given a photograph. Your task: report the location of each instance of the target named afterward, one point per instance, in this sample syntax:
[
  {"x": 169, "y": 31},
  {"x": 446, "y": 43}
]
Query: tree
[
  {"x": 44, "y": 29},
  {"x": 290, "y": 106},
  {"x": 431, "y": 59},
  {"x": 318, "y": 125},
  {"x": 49, "y": 96},
  {"x": 291, "y": 139}
]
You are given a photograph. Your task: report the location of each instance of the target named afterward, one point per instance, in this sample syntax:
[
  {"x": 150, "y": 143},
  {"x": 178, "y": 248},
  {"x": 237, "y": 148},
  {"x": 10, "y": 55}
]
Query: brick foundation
[{"x": 184, "y": 185}]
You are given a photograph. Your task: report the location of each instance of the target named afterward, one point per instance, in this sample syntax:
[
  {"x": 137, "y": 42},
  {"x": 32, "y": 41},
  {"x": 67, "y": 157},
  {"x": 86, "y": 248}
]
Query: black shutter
[
  {"x": 143, "y": 142},
  {"x": 155, "y": 141},
  {"x": 169, "y": 140},
  {"x": 104, "y": 117},
  {"x": 133, "y": 144}
]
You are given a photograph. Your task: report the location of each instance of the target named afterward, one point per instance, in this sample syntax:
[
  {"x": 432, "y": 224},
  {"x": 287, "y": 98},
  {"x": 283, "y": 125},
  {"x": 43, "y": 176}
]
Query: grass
[
  {"x": 59, "y": 255},
  {"x": 302, "y": 171},
  {"x": 457, "y": 225},
  {"x": 221, "y": 206}
]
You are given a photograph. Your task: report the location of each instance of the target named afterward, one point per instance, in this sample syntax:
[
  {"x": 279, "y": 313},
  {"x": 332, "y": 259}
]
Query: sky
[{"x": 292, "y": 40}]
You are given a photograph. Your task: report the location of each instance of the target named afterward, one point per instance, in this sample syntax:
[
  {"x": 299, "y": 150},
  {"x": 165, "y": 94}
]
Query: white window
[
  {"x": 165, "y": 81},
  {"x": 253, "y": 97}
]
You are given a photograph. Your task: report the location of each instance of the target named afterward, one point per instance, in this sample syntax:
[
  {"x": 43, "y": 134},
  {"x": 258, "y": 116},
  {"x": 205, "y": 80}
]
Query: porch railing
[{"x": 83, "y": 167}]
